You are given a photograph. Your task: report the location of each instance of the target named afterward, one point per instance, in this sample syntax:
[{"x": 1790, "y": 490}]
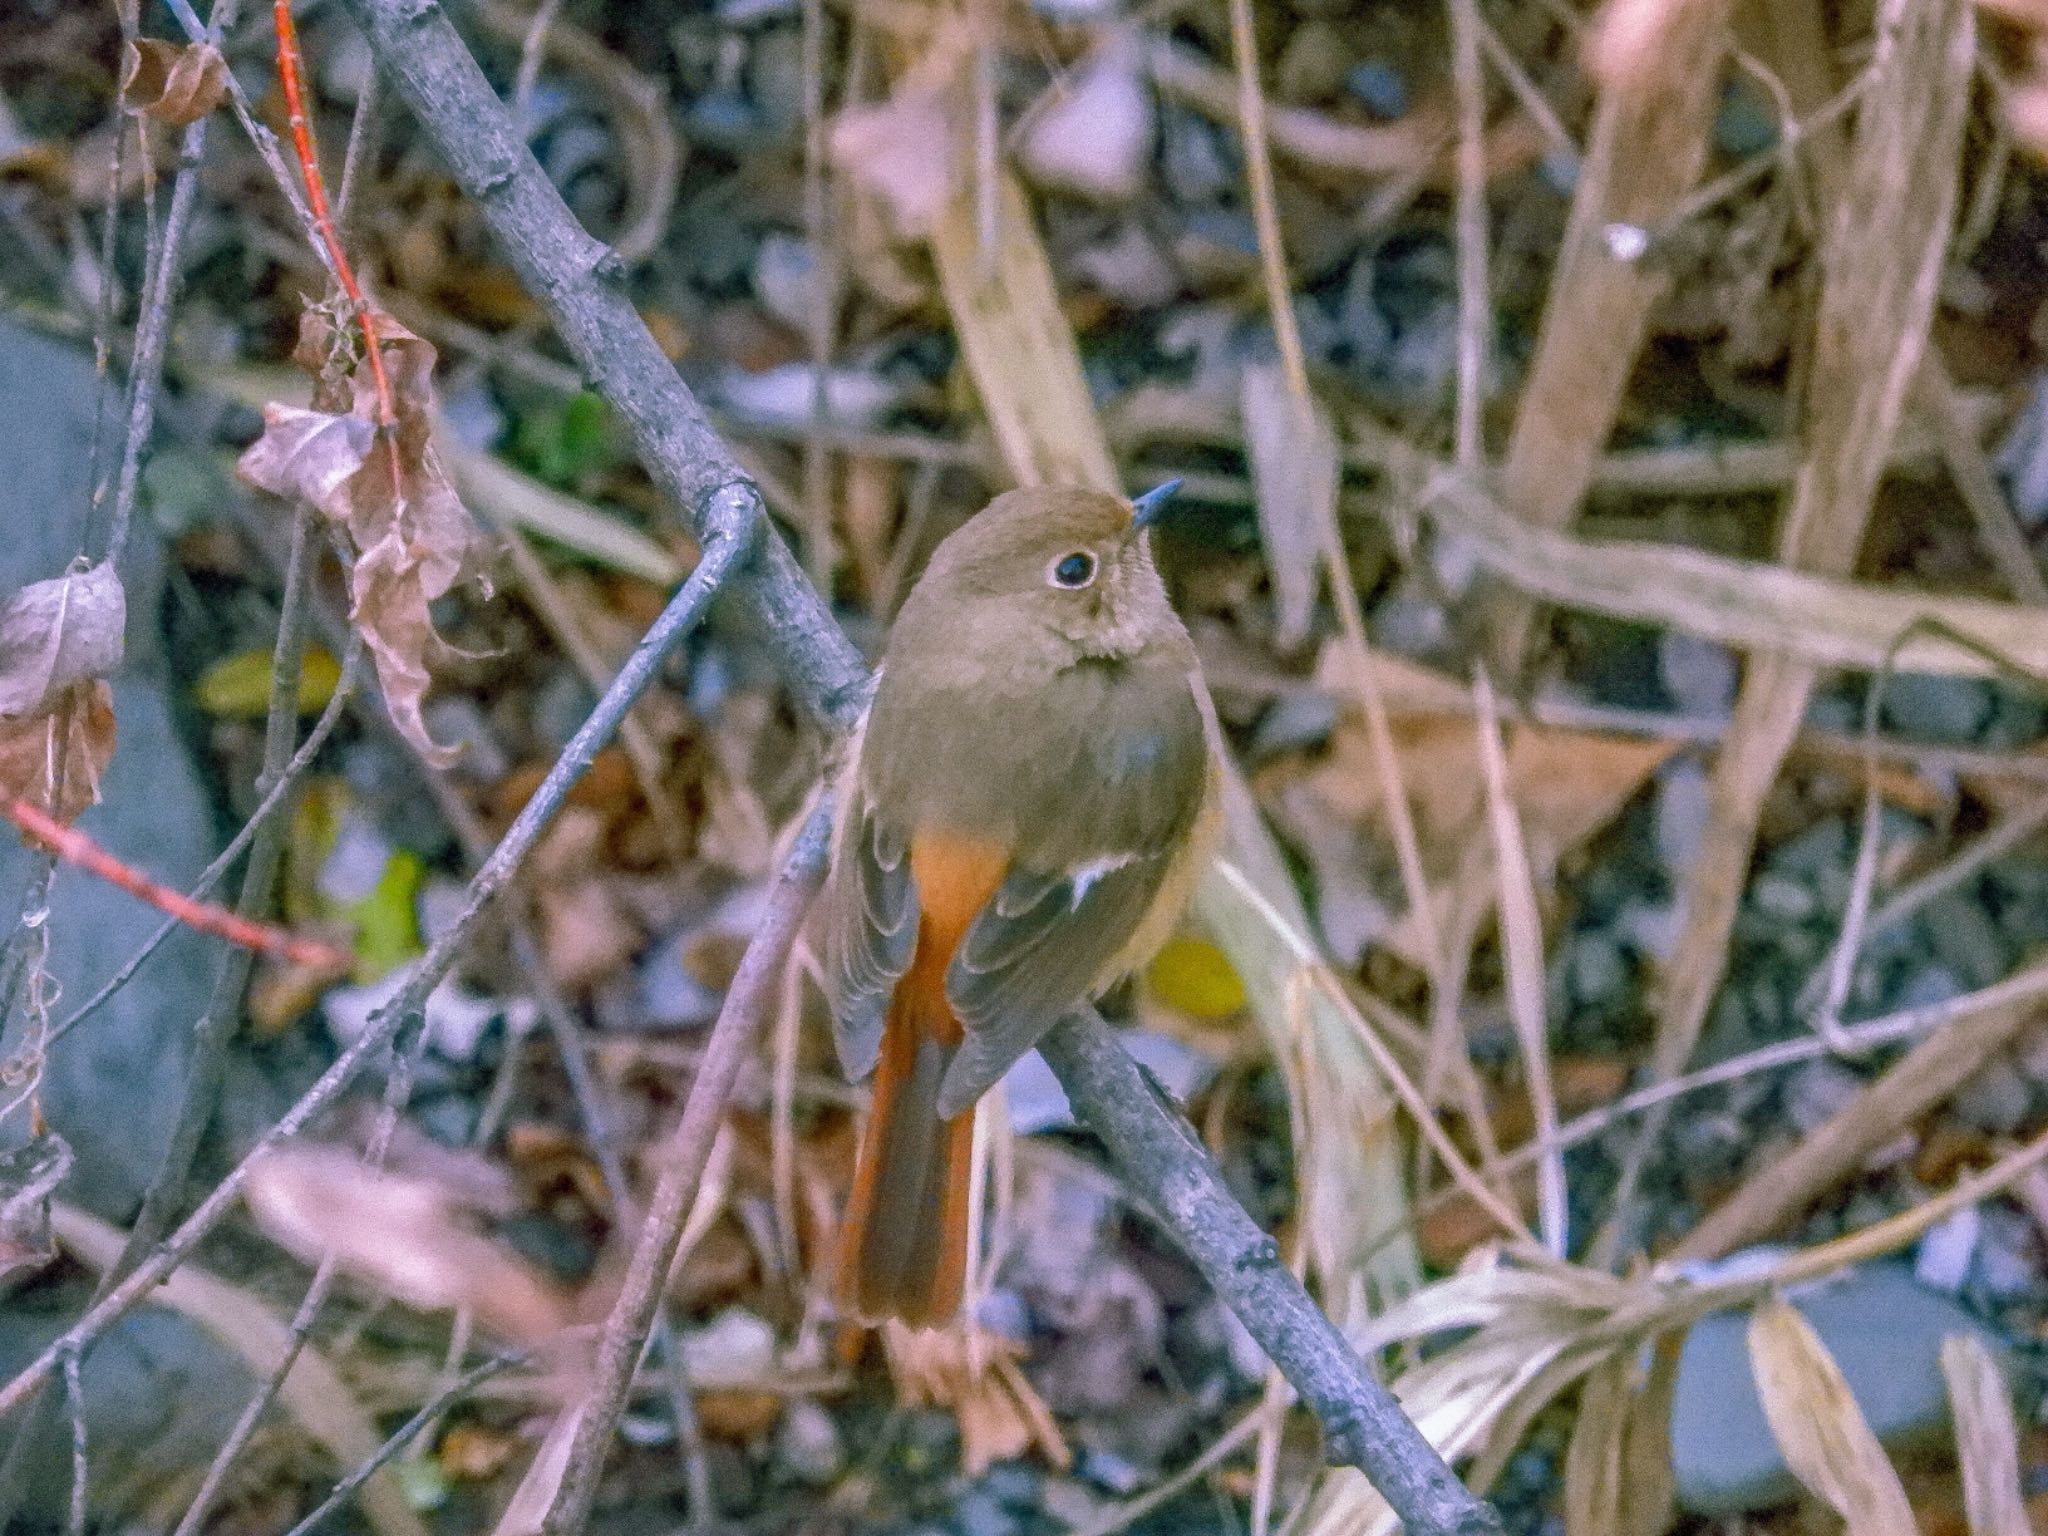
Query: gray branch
[{"x": 580, "y": 282}]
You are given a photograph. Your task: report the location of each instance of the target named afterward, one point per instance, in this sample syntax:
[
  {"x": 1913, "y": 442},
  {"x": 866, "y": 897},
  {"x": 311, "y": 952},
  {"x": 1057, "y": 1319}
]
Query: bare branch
[
  {"x": 1363, "y": 1426},
  {"x": 746, "y": 1005},
  {"x": 733, "y": 521}
]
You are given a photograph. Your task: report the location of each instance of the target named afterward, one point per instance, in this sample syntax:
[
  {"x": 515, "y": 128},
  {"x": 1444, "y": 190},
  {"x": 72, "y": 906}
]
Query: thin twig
[
  {"x": 259, "y": 1402},
  {"x": 734, "y": 515},
  {"x": 74, "y": 1406},
  {"x": 390, "y": 1449},
  {"x": 1475, "y": 300},
  {"x": 746, "y": 1006},
  {"x": 206, "y": 1064},
  {"x": 1363, "y": 1426},
  {"x": 270, "y": 805}
]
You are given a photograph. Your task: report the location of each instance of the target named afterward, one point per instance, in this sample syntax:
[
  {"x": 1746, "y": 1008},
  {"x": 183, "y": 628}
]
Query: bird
[{"x": 1021, "y": 817}]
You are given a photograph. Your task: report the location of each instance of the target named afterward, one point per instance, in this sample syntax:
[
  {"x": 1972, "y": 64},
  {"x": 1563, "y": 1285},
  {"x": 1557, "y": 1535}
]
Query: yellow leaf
[
  {"x": 1194, "y": 977},
  {"x": 239, "y": 686}
]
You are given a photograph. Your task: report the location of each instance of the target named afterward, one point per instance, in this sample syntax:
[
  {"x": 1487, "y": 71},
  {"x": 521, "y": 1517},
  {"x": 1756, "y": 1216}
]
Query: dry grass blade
[
  {"x": 1648, "y": 144},
  {"x": 314, "y": 1394},
  {"x": 1818, "y": 1426},
  {"x": 1928, "y": 1074},
  {"x": 1880, "y": 264},
  {"x": 1521, "y": 930},
  {"x": 1818, "y": 621},
  {"x": 1987, "y": 1440}
]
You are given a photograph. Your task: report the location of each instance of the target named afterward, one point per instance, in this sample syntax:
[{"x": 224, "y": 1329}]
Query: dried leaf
[
  {"x": 414, "y": 539},
  {"x": 59, "y": 632},
  {"x": 974, "y": 1372},
  {"x": 71, "y": 746},
  {"x": 1987, "y": 1440},
  {"x": 308, "y": 455},
  {"x": 903, "y": 153},
  {"x": 1294, "y": 469},
  {"x": 172, "y": 83},
  {"x": 29, "y": 1175},
  {"x": 1826, "y": 1440},
  {"x": 406, "y": 1236}
]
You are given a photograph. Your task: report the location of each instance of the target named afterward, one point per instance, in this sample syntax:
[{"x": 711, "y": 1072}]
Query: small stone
[
  {"x": 2023, "y": 457},
  {"x": 1094, "y": 140},
  {"x": 783, "y": 396},
  {"x": 1653, "y": 927},
  {"x": 977, "y": 1512},
  {"x": 786, "y": 279},
  {"x": 1699, "y": 675},
  {"x": 1598, "y": 970},
  {"x": 2008, "y": 1265},
  {"x": 1945, "y": 709},
  {"x": 457, "y": 720},
  {"x": 1379, "y": 87},
  {"x": 1298, "y": 721},
  {"x": 1197, "y": 165},
  {"x": 1745, "y": 124},
  {"x": 1311, "y": 68},
  {"x": 1118, "y": 1474},
  {"x": 1129, "y": 268},
  {"x": 1681, "y": 813},
  {"x": 1942, "y": 1260},
  {"x": 775, "y": 81},
  {"x": 1965, "y": 938},
  {"x": 1995, "y": 1101},
  {"x": 1409, "y": 621},
  {"x": 1885, "y": 1334},
  {"x": 1818, "y": 1091},
  {"x": 1777, "y": 896},
  {"x": 807, "y": 1443}
]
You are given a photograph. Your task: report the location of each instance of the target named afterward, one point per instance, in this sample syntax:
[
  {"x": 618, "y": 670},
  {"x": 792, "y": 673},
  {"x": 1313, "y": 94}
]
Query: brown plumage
[{"x": 1021, "y": 820}]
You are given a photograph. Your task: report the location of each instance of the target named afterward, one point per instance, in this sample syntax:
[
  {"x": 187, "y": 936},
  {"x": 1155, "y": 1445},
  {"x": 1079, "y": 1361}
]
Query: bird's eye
[{"x": 1073, "y": 571}]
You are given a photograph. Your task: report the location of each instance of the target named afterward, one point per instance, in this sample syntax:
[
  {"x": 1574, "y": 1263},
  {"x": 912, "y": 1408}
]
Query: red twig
[
  {"x": 290, "y": 70},
  {"x": 74, "y": 847}
]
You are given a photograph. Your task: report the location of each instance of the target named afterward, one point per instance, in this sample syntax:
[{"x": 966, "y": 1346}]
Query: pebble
[
  {"x": 807, "y": 1443},
  {"x": 2008, "y": 1257},
  {"x": 786, "y": 279},
  {"x": 1745, "y": 124},
  {"x": 1817, "y": 1091},
  {"x": 782, "y": 396},
  {"x": 1197, "y": 165},
  {"x": 1966, "y": 940},
  {"x": 1681, "y": 813},
  {"x": 1946, "y": 709},
  {"x": 2023, "y": 457},
  {"x": 457, "y": 720},
  {"x": 1095, "y": 140},
  {"x": 1379, "y": 87},
  {"x": 1995, "y": 1101},
  {"x": 1311, "y": 68},
  {"x": 1411, "y": 622},
  {"x": 1941, "y": 1261},
  {"x": 977, "y": 1512},
  {"x": 1885, "y": 1333},
  {"x": 1699, "y": 675},
  {"x": 1298, "y": 721},
  {"x": 1780, "y": 897},
  {"x": 1129, "y": 268},
  {"x": 775, "y": 81}
]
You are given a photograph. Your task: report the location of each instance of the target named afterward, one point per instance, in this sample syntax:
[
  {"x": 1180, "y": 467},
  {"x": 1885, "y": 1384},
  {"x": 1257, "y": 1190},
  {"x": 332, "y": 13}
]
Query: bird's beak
[{"x": 1147, "y": 509}]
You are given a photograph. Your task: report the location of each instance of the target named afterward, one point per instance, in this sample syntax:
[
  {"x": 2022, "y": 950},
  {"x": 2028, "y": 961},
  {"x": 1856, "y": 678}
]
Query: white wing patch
[{"x": 1081, "y": 881}]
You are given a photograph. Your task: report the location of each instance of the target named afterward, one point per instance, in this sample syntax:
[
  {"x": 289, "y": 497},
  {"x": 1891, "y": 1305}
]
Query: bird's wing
[
  {"x": 1040, "y": 946},
  {"x": 869, "y": 913}
]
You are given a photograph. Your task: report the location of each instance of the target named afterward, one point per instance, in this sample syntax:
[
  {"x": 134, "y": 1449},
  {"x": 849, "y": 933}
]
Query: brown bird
[{"x": 1021, "y": 819}]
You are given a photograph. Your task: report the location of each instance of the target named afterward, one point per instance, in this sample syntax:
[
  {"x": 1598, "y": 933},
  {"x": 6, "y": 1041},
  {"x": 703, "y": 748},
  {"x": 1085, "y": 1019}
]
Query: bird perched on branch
[{"x": 1021, "y": 820}]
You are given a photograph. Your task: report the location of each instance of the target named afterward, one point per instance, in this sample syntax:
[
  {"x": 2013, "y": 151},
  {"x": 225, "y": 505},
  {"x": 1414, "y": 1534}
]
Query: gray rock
[
  {"x": 1951, "y": 709},
  {"x": 2023, "y": 457},
  {"x": 807, "y": 1443},
  {"x": 1885, "y": 1333},
  {"x": 1942, "y": 1260},
  {"x": 1699, "y": 675},
  {"x": 160, "y": 1396},
  {"x": 111, "y": 1088},
  {"x": 1681, "y": 812},
  {"x": 1995, "y": 1101},
  {"x": 1966, "y": 939},
  {"x": 1817, "y": 1091}
]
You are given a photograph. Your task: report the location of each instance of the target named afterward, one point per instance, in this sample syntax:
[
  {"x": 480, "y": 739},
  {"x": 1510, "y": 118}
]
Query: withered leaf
[
  {"x": 173, "y": 84},
  {"x": 308, "y": 454},
  {"x": 414, "y": 540},
  {"x": 56, "y": 633},
  {"x": 29, "y": 1175},
  {"x": 71, "y": 745}
]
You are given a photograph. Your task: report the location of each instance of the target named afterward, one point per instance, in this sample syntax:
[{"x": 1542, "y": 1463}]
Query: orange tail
[{"x": 903, "y": 1250}]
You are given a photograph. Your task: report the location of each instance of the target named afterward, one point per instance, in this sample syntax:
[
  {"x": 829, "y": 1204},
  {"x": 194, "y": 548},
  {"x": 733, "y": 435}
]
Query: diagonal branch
[{"x": 579, "y": 281}]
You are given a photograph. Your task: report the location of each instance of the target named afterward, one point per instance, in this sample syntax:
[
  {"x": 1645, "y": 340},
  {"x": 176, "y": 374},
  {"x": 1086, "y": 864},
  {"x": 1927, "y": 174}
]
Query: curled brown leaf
[
  {"x": 387, "y": 490},
  {"x": 56, "y": 633},
  {"x": 173, "y": 84},
  {"x": 65, "y": 749}
]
